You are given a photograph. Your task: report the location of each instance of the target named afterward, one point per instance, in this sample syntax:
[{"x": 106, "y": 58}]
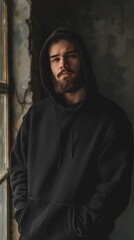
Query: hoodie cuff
[{"x": 17, "y": 214}]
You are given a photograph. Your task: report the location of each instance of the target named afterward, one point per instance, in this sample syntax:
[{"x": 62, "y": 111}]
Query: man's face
[{"x": 65, "y": 66}]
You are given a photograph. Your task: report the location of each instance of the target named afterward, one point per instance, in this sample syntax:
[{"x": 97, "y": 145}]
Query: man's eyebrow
[{"x": 66, "y": 53}]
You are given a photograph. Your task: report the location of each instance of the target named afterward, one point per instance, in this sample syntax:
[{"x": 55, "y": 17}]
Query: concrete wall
[
  {"x": 108, "y": 29},
  {"x": 20, "y": 62}
]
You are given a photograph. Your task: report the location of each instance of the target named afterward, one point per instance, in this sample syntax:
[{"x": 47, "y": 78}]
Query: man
[{"x": 72, "y": 159}]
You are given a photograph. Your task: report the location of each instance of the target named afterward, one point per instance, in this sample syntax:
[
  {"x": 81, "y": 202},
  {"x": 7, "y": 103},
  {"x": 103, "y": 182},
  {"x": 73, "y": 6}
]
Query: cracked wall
[{"x": 21, "y": 61}]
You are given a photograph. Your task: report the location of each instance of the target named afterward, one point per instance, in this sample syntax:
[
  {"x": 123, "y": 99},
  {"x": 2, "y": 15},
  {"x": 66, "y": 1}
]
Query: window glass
[
  {"x": 3, "y": 43},
  {"x": 3, "y": 211},
  {"x": 0, "y": 40},
  {"x": 3, "y": 133},
  {"x": 4, "y": 199}
]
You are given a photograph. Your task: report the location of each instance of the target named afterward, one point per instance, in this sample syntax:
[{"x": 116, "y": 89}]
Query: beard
[{"x": 68, "y": 84}]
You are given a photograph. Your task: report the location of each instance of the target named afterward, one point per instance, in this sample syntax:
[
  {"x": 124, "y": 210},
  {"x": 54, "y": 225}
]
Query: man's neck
[{"x": 75, "y": 97}]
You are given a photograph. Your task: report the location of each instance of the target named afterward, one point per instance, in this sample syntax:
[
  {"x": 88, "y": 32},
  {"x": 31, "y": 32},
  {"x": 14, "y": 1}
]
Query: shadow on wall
[{"x": 112, "y": 74}]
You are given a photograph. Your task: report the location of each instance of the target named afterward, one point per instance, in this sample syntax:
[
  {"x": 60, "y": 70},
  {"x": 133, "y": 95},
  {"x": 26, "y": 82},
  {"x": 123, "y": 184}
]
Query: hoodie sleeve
[
  {"x": 114, "y": 167},
  {"x": 18, "y": 168}
]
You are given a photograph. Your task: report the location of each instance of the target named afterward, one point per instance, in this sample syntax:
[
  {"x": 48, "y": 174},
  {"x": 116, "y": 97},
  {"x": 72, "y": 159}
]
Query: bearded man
[{"x": 71, "y": 162}]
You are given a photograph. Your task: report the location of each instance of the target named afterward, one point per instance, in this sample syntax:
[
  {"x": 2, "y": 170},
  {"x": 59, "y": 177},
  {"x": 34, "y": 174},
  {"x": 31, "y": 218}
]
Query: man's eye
[
  {"x": 72, "y": 55},
  {"x": 55, "y": 60}
]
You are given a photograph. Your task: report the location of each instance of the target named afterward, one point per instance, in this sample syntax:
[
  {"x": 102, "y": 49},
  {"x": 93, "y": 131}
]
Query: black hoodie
[{"x": 71, "y": 166}]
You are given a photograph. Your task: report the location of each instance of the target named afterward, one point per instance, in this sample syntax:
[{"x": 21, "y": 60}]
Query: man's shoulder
[
  {"x": 46, "y": 102},
  {"x": 111, "y": 110},
  {"x": 109, "y": 106},
  {"x": 39, "y": 107}
]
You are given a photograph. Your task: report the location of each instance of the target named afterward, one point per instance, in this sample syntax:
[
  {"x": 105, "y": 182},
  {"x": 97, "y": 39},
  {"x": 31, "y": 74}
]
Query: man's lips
[{"x": 64, "y": 72}]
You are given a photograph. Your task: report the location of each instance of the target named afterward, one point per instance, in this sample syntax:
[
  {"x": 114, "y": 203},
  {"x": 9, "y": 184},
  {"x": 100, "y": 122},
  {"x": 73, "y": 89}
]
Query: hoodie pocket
[
  {"x": 54, "y": 223},
  {"x": 24, "y": 220},
  {"x": 23, "y": 212},
  {"x": 48, "y": 220}
]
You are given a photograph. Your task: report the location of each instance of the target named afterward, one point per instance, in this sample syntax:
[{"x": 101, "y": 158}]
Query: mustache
[{"x": 65, "y": 70}]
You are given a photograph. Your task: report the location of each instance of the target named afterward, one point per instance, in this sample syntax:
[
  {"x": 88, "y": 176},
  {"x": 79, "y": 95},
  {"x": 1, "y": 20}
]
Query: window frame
[
  {"x": 4, "y": 172},
  {"x": 4, "y": 90}
]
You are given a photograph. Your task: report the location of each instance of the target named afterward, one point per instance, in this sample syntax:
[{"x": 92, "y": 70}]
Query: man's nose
[{"x": 63, "y": 62}]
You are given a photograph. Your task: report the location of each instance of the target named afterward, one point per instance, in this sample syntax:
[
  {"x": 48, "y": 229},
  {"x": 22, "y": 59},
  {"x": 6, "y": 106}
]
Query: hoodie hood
[{"x": 45, "y": 71}]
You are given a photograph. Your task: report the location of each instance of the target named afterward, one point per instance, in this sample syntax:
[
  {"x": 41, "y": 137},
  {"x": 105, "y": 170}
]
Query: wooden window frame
[{"x": 4, "y": 90}]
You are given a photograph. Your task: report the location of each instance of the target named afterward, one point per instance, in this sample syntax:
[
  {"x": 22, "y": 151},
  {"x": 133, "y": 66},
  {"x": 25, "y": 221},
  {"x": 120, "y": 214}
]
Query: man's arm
[
  {"x": 111, "y": 195},
  {"x": 18, "y": 169}
]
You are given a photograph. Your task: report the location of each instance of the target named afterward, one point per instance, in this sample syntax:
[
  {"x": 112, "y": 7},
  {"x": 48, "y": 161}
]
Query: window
[{"x": 3, "y": 123}]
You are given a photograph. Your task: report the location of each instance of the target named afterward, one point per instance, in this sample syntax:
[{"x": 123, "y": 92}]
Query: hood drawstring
[
  {"x": 72, "y": 146},
  {"x": 73, "y": 136},
  {"x": 59, "y": 162}
]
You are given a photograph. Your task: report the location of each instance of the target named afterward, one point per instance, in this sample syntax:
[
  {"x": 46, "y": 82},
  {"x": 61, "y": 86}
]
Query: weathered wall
[
  {"x": 20, "y": 68},
  {"x": 108, "y": 29},
  {"x": 21, "y": 60}
]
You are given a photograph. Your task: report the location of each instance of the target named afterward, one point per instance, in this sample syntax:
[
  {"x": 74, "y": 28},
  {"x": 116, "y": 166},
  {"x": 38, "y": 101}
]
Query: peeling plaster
[{"x": 21, "y": 60}]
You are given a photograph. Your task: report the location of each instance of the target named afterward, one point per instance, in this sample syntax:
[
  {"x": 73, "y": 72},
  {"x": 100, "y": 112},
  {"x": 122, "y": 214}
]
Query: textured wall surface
[
  {"x": 108, "y": 29},
  {"x": 21, "y": 61}
]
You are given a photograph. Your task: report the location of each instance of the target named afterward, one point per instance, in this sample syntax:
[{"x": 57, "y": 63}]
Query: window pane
[
  {"x": 1, "y": 57},
  {"x": 3, "y": 132},
  {"x": 3, "y": 211},
  {"x": 0, "y": 39},
  {"x": 3, "y": 42}
]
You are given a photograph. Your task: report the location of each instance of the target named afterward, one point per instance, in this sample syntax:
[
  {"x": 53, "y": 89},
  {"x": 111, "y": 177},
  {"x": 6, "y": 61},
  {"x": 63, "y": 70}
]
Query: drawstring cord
[
  {"x": 73, "y": 130},
  {"x": 59, "y": 161},
  {"x": 72, "y": 142}
]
